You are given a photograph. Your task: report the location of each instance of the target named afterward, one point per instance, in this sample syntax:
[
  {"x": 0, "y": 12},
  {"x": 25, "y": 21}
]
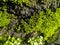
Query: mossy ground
[{"x": 29, "y": 22}]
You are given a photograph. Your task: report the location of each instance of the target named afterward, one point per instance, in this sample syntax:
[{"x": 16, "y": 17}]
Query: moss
[
  {"x": 4, "y": 19},
  {"x": 47, "y": 23},
  {"x": 13, "y": 41},
  {"x": 41, "y": 21}
]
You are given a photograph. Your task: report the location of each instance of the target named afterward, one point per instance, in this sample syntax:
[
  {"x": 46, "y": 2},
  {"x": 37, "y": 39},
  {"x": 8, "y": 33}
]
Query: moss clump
[
  {"x": 4, "y": 18},
  {"x": 13, "y": 41},
  {"x": 47, "y": 23},
  {"x": 29, "y": 22}
]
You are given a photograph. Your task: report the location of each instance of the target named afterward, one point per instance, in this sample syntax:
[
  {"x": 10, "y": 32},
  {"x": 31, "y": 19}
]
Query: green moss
[
  {"x": 29, "y": 3},
  {"x": 47, "y": 23},
  {"x": 13, "y": 41},
  {"x": 36, "y": 41},
  {"x": 21, "y": 1},
  {"x": 4, "y": 19}
]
